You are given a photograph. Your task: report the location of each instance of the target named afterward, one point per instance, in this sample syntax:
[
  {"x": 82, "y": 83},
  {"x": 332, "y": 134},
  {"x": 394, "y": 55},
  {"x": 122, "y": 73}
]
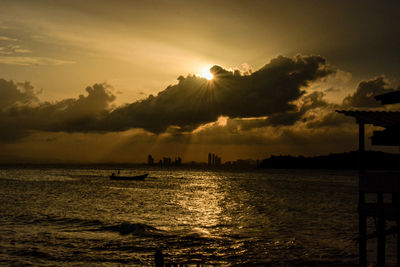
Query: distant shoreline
[{"x": 373, "y": 160}]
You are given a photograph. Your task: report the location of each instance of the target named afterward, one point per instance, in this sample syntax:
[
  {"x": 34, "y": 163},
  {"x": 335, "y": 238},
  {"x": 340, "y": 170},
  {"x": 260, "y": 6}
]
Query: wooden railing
[{"x": 378, "y": 184}]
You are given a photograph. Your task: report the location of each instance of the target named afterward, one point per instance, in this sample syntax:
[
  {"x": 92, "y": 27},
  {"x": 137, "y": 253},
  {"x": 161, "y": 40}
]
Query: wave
[
  {"x": 126, "y": 228},
  {"x": 94, "y": 225},
  {"x": 184, "y": 236}
]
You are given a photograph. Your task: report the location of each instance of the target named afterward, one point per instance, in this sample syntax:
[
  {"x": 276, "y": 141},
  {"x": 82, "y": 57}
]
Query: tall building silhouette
[
  {"x": 214, "y": 160},
  {"x": 166, "y": 161},
  {"x": 178, "y": 161},
  {"x": 150, "y": 160},
  {"x": 217, "y": 161}
]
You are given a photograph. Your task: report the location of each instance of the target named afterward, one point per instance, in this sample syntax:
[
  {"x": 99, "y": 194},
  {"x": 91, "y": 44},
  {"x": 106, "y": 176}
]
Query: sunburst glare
[{"x": 205, "y": 73}]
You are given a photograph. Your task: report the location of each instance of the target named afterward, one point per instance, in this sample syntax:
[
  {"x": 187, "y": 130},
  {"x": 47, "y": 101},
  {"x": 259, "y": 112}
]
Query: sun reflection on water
[{"x": 201, "y": 199}]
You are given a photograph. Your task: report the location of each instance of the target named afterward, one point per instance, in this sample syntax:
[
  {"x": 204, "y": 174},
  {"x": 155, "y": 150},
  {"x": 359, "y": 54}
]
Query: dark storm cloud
[
  {"x": 329, "y": 119},
  {"x": 21, "y": 113},
  {"x": 366, "y": 90},
  {"x": 283, "y": 139},
  {"x": 16, "y": 93},
  {"x": 362, "y": 98},
  {"x": 313, "y": 102},
  {"x": 195, "y": 101},
  {"x": 306, "y": 103},
  {"x": 12, "y": 95},
  {"x": 309, "y": 102}
]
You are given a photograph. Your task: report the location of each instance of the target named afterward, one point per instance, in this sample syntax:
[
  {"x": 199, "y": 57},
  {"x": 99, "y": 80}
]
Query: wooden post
[
  {"x": 381, "y": 242},
  {"x": 362, "y": 245},
  {"x": 381, "y": 226},
  {"x": 395, "y": 201},
  {"x": 361, "y": 138},
  {"x": 398, "y": 240},
  {"x": 362, "y": 218}
]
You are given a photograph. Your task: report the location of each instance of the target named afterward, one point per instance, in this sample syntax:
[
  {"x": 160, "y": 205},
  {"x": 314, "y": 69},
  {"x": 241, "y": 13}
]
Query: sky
[{"x": 113, "y": 81}]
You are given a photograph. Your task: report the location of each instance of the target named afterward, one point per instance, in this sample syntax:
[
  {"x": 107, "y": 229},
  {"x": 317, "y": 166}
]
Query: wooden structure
[{"x": 378, "y": 183}]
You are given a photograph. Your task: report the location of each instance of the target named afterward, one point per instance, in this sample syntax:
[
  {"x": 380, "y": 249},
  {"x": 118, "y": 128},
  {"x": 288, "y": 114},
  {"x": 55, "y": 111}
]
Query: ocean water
[{"x": 78, "y": 216}]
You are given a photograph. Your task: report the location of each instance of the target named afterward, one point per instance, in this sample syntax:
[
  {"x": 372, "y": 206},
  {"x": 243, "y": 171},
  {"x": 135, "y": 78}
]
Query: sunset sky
[{"x": 113, "y": 81}]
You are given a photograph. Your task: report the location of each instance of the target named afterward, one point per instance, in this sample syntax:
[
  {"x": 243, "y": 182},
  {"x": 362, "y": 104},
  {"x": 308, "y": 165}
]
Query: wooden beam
[{"x": 362, "y": 218}]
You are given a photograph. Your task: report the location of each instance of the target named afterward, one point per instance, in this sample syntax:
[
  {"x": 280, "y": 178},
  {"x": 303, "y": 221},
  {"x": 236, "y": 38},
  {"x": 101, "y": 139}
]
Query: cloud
[
  {"x": 306, "y": 103},
  {"x": 365, "y": 92},
  {"x": 363, "y": 97},
  {"x": 296, "y": 139},
  {"x": 13, "y": 52},
  {"x": 271, "y": 109},
  {"x": 28, "y": 61},
  {"x": 11, "y": 56},
  {"x": 16, "y": 93},
  {"x": 22, "y": 114},
  {"x": 5, "y": 38},
  {"x": 12, "y": 49},
  {"x": 12, "y": 96},
  {"x": 270, "y": 91},
  {"x": 331, "y": 89},
  {"x": 329, "y": 119},
  {"x": 20, "y": 50},
  {"x": 195, "y": 101},
  {"x": 4, "y": 51}
]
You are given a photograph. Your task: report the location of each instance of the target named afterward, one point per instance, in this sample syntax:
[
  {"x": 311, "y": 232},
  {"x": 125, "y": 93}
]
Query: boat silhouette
[{"x": 128, "y": 178}]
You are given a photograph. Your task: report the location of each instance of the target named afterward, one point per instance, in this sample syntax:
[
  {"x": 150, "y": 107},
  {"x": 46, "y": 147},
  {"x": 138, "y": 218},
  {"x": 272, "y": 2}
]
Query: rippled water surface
[{"x": 71, "y": 216}]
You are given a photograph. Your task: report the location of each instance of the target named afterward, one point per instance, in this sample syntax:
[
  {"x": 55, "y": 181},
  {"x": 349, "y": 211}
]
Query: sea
[{"x": 77, "y": 216}]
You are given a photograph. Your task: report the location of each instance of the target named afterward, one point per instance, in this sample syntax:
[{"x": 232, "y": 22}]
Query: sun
[
  {"x": 205, "y": 73},
  {"x": 208, "y": 75}
]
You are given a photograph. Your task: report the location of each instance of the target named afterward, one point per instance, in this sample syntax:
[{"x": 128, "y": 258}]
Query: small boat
[{"x": 129, "y": 178}]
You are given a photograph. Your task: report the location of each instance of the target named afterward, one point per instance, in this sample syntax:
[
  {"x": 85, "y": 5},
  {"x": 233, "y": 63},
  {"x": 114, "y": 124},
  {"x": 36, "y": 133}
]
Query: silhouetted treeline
[{"x": 373, "y": 160}]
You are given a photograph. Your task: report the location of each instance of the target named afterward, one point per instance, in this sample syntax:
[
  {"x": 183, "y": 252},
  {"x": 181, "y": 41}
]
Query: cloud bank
[
  {"x": 363, "y": 97},
  {"x": 191, "y": 102},
  {"x": 195, "y": 101},
  {"x": 21, "y": 113},
  {"x": 273, "y": 108}
]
